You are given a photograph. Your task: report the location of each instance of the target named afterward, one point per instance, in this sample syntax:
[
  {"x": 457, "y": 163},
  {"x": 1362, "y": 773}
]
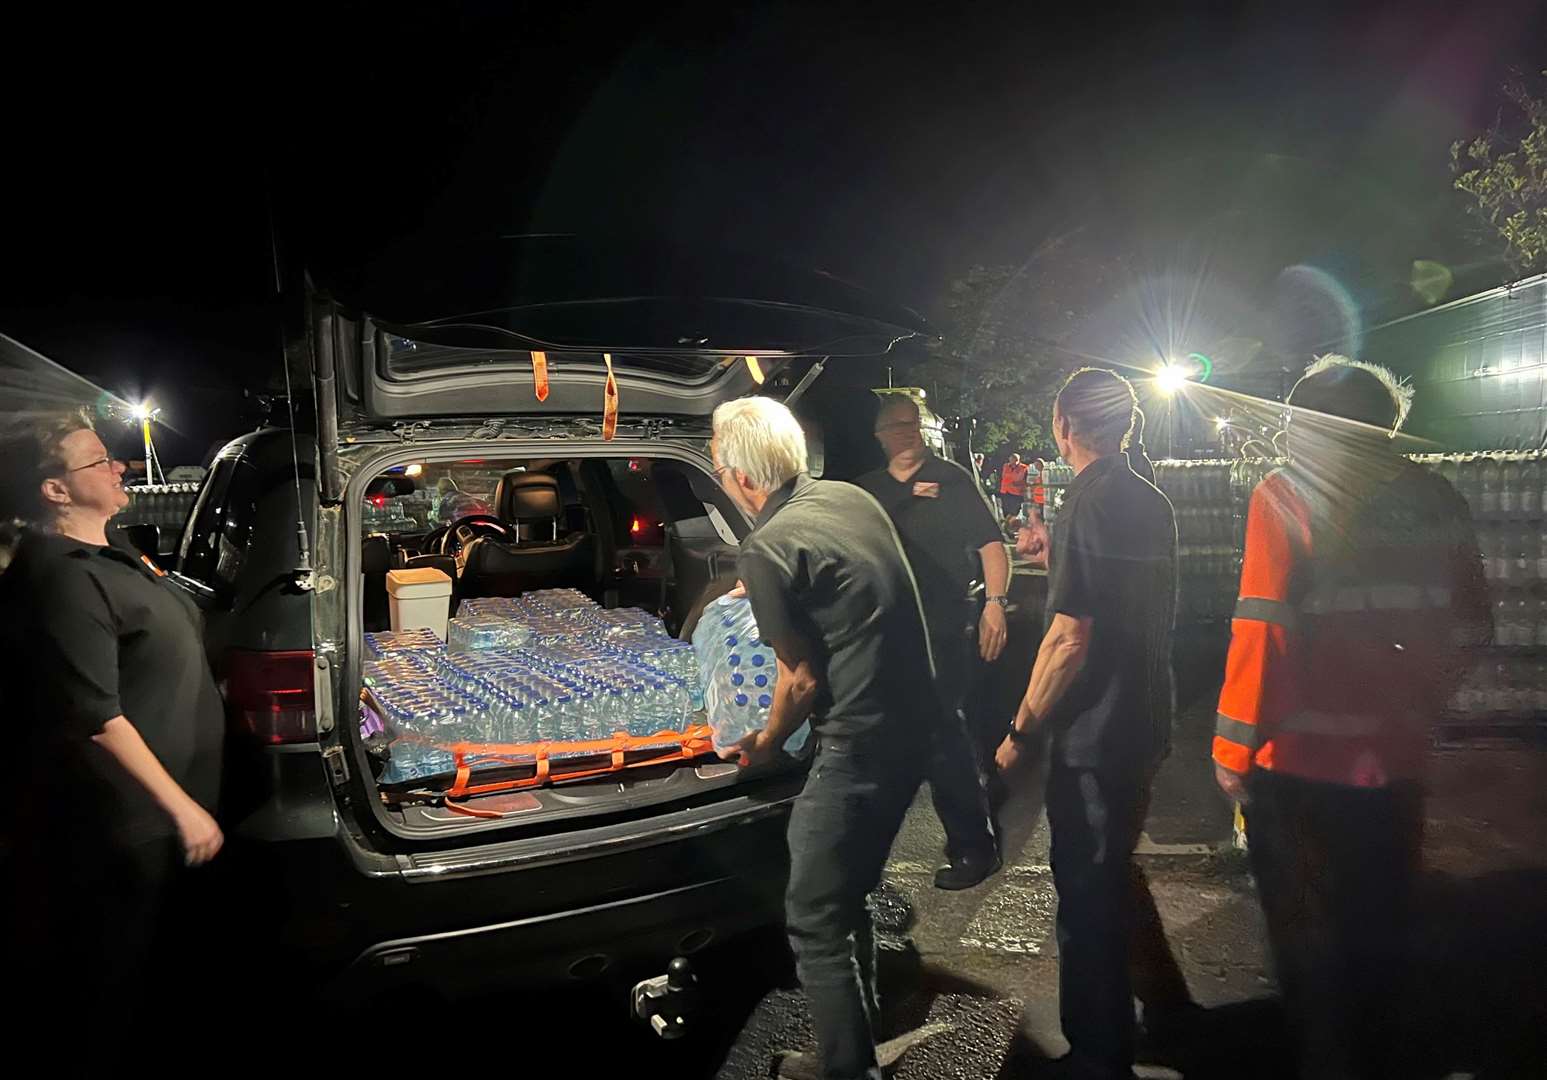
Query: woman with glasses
[{"x": 118, "y": 721}]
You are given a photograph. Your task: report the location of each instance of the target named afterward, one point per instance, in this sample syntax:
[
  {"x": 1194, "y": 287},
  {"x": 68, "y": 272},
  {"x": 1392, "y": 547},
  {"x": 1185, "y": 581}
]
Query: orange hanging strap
[
  {"x": 609, "y": 403},
  {"x": 540, "y": 374}
]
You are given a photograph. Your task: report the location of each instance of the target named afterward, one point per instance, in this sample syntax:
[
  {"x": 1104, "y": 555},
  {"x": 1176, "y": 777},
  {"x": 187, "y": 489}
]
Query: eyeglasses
[
  {"x": 719, "y": 471},
  {"x": 91, "y": 465}
]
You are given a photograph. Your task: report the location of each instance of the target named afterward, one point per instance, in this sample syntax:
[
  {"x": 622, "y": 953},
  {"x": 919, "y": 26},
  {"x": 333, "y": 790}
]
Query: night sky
[{"x": 895, "y": 149}]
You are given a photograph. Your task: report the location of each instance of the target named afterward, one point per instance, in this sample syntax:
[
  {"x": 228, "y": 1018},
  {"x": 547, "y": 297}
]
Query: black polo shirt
[
  {"x": 96, "y": 632},
  {"x": 1114, "y": 561},
  {"x": 827, "y": 579},
  {"x": 943, "y": 521}
]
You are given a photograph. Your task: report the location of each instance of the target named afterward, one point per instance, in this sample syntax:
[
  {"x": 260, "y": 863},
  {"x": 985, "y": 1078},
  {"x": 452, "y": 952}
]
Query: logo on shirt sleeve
[{"x": 924, "y": 490}]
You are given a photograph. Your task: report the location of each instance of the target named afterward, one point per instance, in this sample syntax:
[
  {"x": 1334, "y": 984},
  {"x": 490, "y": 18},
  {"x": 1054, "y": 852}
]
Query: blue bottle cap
[
  {"x": 728, "y": 621},
  {"x": 735, "y": 660},
  {"x": 738, "y": 678},
  {"x": 741, "y": 699},
  {"x": 764, "y": 700},
  {"x": 761, "y": 680},
  {"x": 730, "y": 642},
  {"x": 757, "y": 659}
]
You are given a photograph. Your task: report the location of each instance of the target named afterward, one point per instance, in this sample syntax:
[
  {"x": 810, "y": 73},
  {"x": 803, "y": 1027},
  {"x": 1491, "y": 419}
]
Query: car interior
[{"x": 642, "y": 532}]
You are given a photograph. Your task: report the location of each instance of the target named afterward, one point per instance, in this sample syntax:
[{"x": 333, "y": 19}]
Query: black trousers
[
  {"x": 957, "y": 785},
  {"x": 1336, "y": 868},
  {"x": 1111, "y": 945},
  {"x": 841, "y": 830}
]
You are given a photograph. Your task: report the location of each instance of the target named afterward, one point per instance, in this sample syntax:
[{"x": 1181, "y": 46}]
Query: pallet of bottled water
[
  {"x": 1208, "y": 563},
  {"x": 738, "y": 673}
]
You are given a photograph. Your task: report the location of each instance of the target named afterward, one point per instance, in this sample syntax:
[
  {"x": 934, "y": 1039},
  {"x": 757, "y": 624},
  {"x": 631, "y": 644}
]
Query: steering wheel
[{"x": 465, "y": 530}]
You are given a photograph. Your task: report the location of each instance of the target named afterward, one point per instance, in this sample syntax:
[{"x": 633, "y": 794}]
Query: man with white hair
[{"x": 835, "y": 598}]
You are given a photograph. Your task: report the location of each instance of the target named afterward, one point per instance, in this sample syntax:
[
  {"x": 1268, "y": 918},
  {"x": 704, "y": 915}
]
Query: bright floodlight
[
  {"x": 1172, "y": 378},
  {"x": 1220, "y": 423},
  {"x": 140, "y": 411}
]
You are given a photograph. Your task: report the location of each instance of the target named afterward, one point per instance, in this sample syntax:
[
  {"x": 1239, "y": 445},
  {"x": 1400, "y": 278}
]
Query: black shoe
[{"x": 965, "y": 871}]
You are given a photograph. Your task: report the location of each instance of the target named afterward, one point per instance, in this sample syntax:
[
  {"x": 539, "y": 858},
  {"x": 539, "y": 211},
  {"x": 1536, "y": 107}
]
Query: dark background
[{"x": 147, "y": 152}]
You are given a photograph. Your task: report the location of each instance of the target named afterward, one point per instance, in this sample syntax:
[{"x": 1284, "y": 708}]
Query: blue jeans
[{"x": 841, "y": 831}]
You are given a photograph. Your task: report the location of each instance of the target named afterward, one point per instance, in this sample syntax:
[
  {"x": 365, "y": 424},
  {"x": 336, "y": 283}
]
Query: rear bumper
[
  {"x": 567, "y": 947},
  {"x": 537, "y": 911}
]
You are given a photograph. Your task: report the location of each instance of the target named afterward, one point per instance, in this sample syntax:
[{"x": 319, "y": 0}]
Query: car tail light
[{"x": 269, "y": 695}]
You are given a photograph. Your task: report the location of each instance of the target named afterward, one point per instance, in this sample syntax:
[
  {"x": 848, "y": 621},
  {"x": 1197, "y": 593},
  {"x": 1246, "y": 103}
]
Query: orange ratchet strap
[{"x": 686, "y": 745}]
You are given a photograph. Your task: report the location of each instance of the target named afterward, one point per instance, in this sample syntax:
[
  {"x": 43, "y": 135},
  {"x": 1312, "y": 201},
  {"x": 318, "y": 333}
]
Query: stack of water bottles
[
  {"x": 1201, "y": 496},
  {"x": 388, "y": 642},
  {"x": 547, "y": 667},
  {"x": 739, "y": 673}
]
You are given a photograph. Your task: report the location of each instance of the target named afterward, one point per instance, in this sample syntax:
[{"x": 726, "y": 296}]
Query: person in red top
[
  {"x": 1012, "y": 486},
  {"x": 1361, "y": 587}
]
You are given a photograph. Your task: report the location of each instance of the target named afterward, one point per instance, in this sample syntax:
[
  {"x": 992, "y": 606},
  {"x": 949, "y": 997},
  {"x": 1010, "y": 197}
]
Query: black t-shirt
[
  {"x": 91, "y": 633},
  {"x": 943, "y": 521},
  {"x": 1114, "y": 561},
  {"x": 825, "y": 572}
]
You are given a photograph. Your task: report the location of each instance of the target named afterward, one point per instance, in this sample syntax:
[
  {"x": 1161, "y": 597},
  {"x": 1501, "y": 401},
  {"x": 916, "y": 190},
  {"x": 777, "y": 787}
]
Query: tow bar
[{"x": 668, "y": 1001}]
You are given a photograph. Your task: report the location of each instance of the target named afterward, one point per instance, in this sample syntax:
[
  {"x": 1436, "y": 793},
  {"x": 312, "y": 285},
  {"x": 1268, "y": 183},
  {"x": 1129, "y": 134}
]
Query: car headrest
[
  {"x": 527, "y": 496},
  {"x": 375, "y": 554}
]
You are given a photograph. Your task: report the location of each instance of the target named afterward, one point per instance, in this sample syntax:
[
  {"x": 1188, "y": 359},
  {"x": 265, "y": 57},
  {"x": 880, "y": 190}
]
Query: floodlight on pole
[
  {"x": 143, "y": 414},
  {"x": 1171, "y": 378}
]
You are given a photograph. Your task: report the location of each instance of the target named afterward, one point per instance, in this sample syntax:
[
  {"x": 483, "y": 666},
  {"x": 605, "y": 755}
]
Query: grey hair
[
  {"x": 1331, "y": 377},
  {"x": 762, "y": 438}
]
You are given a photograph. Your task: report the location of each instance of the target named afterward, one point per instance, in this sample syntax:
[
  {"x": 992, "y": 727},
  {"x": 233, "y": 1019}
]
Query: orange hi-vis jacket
[
  {"x": 1012, "y": 479},
  {"x": 1351, "y": 626}
]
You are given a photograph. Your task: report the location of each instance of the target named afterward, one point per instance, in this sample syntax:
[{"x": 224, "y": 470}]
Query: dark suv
[{"x": 287, "y": 548}]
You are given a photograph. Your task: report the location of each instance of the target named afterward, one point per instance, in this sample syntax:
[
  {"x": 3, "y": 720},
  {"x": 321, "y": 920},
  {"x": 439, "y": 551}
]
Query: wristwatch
[
  {"x": 1019, "y": 737},
  {"x": 1002, "y": 601}
]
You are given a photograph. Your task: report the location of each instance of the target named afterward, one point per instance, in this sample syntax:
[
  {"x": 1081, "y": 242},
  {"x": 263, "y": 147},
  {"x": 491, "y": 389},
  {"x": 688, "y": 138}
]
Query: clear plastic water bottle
[
  {"x": 1488, "y": 483},
  {"x": 1503, "y": 632},
  {"x": 1531, "y": 486},
  {"x": 1524, "y": 619},
  {"x": 1538, "y": 685},
  {"x": 1528, "y": 541},
  {"x": 1509, "y": 482}
]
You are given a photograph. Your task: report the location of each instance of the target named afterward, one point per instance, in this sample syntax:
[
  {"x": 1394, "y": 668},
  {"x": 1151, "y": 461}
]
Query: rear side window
[
  {"x": 220, "y": 530},
  {"x": 638, "y": 514}
]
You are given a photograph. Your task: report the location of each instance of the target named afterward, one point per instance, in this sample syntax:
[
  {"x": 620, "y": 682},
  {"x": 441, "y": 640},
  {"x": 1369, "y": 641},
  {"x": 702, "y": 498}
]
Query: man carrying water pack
[{"x": 835, "y": 599}]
